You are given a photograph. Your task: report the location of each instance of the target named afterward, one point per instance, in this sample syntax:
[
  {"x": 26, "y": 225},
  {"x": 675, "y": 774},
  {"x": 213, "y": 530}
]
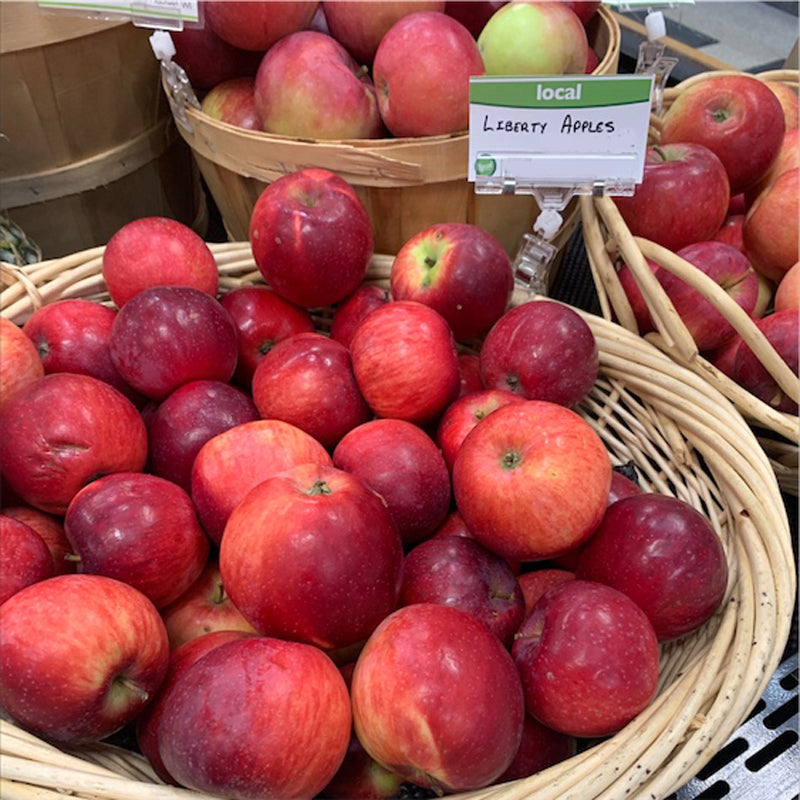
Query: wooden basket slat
[{"x": 685, "y": 439}]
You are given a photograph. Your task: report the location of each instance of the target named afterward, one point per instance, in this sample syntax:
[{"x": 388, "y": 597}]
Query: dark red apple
[
  {"x": 166, "y": 336},
  {"x": 311, "y": 237},
  {"x": 209, "y": 60},
  {"x": 469, "y": 371},
  {"x": 541, "y": 350},
  {"x": 24, "y": 557},
  {"x": 402, "y": 463},
  {"x": 731, "y": 231},
  {"x": 537, "y": 581},
  {"x": 186, "y": 419},
  {"x": 473, "y": 14},
  {"x": 588, "y": 658},
  {"x": 663, "y": 554},
  {"x": 51, "y": 529},
  {"x": 459, "y": 269},
  {"x": 262, "y": 319},
  {"x": 291, "y": 725},
  {"x": 308, "y": 381},
  {"x": 540, "y": 748},
  {"x": 140, "y": 529},
  {"x": 458, "y": 571}
]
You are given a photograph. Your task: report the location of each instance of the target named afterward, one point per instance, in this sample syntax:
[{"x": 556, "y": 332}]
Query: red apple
[
  {"x": 732, "y": 231},
  {"x": 209, "y": 60},
  {"x": 541, "y": 350},
  {"x": 311, "y": 237},
  {"x": 585, "y": 9},
  {"x": 312, "y": 555},
  {"x": 405, "y": 361},
  {"x": 361, "y": 777},
  {"x": 309, "y": 86},
  {"x": 20, "y": 364},
  {"x": 781, "y": 331},
  {"x": 426, "y": 96},
  {"x": 63, "y": 431},
  {"x": 80, "y": 657},
  {"x": 426, "y": 692},
  {"x": 167, "y": 336},
  {"x": 181, "y": 658},
  {"x": 663, "y": 554},
  {"x": 469, "y": 370},
  {"x": 464, "y": 414},
  {"x": 622, "y": 486},
  {"x": 72, "y": 335},
  {"x": 308, "y": 381},
  {"x": 534, "y": 38},
  {"x": 770, "y": 228},
  {"x": 473, "y": 14},
  {"x": 541, "y": 747},
  {"x": 234, "y": 101},
  {"x": 531, "y": 480},
  {"x": 186, "y": 419},
  {"x": 592, "y": 60},
  {"x": 24, "y": 557},
  {"x": 588, "y": 658},
  {"x": 290, "y": 729},
  {"x": 738, "y": 204},
  {"x": 353, "y": 309},
  {"x": 457, "y": 571},
  {"x": 140, "y": 529},
  {"x": 231, "y": 463},
  {"x": 790, "y": 103},
  {"x": 460, "y": 270},
  {"x": 729, "y": 269},
  {"x": 157, "y": 251},
  {"x": 257, "y": 24},
  {"x": 683, "y": 197},
  {"x": 262, "y": 319},
  {"x": 402, "y": 464},
  {"x": 786, "y": 293},
  {"x": 51, "y": 530},
  {"x": 537, "y": 581},
  {"x": 359, "y": 25},
  {"x": 788, "y": 158},
  {"x": 203, "y": 608},
  {"x": 737, "y": 117}
]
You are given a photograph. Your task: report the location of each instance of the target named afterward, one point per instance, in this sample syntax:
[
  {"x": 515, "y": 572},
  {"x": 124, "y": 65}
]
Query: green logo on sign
[{"x": 485, "y": 166}]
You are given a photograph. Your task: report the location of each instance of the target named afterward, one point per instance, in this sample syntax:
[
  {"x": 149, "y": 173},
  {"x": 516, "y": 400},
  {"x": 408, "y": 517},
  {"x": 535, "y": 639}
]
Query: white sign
[
  {"x": 168, "y": 12},
  {"x": 566, "y": 130}
]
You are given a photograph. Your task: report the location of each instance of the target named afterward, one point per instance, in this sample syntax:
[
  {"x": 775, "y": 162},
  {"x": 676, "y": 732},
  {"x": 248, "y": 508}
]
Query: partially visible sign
[
  {"x": 171, "y": 14},
  {"x": 570, "y": 130}
]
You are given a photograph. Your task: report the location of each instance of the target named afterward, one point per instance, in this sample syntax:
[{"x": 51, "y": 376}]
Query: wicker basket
[
  {"x": 606, "y": 234},
  {"x": 405, "y": 184},
  {"x": 685, "y": 439}
]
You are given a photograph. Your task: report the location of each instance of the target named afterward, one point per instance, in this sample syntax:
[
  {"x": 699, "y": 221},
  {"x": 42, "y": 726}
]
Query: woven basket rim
[
  {"x": 682, "y": 432},
  {"x": 604, "y": 228}
]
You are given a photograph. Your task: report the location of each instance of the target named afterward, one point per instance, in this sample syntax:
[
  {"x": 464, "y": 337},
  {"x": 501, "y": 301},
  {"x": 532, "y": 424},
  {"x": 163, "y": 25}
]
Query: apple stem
[
  {"x": 219, "y": 594},
  {"x": 510, "y": 460},
  {"x": 319, "y": 487},
  {"x": 131, "y": 686},
  {"x": 72, "y": 557}
]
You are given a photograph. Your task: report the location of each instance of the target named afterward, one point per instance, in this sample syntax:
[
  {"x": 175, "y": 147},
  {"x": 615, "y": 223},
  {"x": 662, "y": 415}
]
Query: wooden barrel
[
  {"x": 88, "y": 141},
  {"x": 405, "y": 184}
]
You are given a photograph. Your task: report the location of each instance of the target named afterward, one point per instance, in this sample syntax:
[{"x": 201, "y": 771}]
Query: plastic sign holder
[
  {"x": 555, "y": 138},
  {"x": 179, "y": 89},
  {"x": 171, "y": 15}
]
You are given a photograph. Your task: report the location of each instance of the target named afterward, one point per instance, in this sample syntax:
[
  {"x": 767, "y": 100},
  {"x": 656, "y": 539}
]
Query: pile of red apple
[
  {"x": 721, "y": 190},
  {"x": 302, "y": 561},
  {"x": 362, "y": 70}
]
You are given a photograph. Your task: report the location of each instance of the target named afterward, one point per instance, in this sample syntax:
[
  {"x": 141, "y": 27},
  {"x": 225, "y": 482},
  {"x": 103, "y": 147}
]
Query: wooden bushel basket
[
  {"x": 606, "y": 235},
  {"x": 685, "y": 440},
  {"x": 405, "y": 184},
  {"x": 88, "y": 141}
]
